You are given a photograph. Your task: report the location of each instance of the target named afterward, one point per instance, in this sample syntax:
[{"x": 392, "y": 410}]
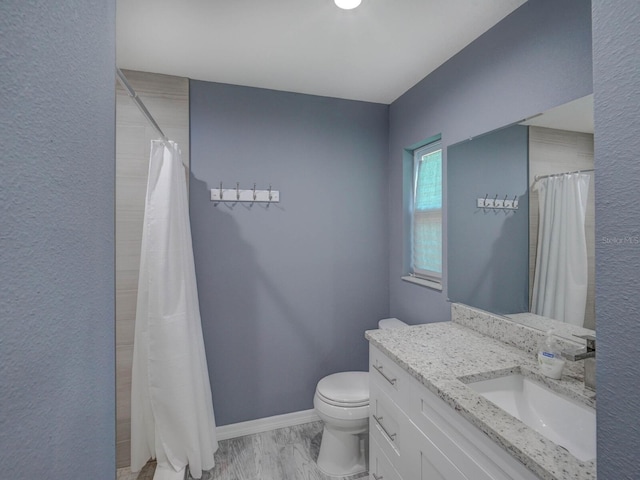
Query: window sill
[{"x": 423, "y": 282}]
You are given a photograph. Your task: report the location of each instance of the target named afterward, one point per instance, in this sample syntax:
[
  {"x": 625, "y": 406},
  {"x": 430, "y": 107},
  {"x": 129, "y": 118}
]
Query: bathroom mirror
[{"x": 491, "y": 252}]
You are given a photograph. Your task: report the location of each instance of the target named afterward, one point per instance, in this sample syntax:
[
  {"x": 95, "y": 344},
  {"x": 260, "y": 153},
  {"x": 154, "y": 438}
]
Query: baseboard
[{"x": 259, "y": 425}]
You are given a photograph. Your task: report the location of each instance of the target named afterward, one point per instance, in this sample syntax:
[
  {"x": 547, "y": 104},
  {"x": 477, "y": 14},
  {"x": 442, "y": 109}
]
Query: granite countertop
[{"x": 442, "y": 356}]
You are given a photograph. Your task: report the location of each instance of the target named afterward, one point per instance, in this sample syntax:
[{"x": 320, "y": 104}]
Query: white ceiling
[{"x": 374, "y": 53}]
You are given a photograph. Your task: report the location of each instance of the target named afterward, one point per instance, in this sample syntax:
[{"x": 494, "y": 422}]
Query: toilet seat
[
  {"x": 343, "y": 404},
  {"x": 345, "y": 389},
  {"x": 339, "y": 414}
]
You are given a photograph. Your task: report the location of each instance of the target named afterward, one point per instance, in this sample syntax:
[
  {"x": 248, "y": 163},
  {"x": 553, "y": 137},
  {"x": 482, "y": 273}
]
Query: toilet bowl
[{"x": 342, "y": 402}]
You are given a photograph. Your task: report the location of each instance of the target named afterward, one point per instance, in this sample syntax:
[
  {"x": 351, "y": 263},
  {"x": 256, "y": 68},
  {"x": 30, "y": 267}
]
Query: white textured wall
[
  {"x": 56, "y": 239},
  {"x": 167, "y": 98}
]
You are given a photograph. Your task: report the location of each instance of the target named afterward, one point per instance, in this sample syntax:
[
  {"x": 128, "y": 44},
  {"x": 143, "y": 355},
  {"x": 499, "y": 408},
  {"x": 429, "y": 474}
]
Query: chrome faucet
[{"x": 587, "y": 354}]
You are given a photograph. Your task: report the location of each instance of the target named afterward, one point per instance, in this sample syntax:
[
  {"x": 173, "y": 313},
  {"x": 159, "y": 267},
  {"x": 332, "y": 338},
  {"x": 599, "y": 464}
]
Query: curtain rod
[
  {"x": 539, "y": 177},
  {"x": 134, "y": 96}
]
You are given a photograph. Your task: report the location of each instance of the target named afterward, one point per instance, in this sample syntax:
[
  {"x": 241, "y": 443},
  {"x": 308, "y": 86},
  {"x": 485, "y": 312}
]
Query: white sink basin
[{"x": 563, "y": 421}]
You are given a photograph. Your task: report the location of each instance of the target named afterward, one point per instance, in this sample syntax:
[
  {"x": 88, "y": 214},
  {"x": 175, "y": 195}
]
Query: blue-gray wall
[
  {"x": 536, "y": 58},
  {"x": 616, "y": 62},
  {"x": 57, "y": 120},
  {"x": 286, "y": 292},
  {"x": 488, "y": 250}
]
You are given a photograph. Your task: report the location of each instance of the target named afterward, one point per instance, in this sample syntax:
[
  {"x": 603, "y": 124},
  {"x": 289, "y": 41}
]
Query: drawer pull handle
[
  {"x": 377, "y": 477},
  {"x": 392, "y": 436},
  {"x": 392, "y": 381}
]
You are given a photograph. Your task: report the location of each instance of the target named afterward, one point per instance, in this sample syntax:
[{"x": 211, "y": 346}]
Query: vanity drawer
[
  {"x": 387, "y": 425},
  {"x": 380, "y": 467},
  {"x": 387, "y": 374}
]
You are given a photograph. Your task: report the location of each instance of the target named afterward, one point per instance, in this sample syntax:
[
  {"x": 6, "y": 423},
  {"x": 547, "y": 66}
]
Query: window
[{"x": 426, "y": 221}]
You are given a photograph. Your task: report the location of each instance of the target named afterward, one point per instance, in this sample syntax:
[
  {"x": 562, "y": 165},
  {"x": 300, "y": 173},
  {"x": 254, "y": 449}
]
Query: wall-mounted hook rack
[
  {"x": 251, "y": 195},
  {"x": 498, "y": 203}
]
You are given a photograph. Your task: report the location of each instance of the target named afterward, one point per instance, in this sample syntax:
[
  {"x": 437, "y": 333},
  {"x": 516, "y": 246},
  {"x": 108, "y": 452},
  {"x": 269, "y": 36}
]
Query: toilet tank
[{"x": 387, "y": 323}]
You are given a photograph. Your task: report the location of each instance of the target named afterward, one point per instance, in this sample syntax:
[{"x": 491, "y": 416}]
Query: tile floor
[{"x": 283, "y": 454}]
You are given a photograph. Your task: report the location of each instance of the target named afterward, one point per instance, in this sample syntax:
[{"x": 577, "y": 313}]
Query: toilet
[{"x": 342, "y": 402}]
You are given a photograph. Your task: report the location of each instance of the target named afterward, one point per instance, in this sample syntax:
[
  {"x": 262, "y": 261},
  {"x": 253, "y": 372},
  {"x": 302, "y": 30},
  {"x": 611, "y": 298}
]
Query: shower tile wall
[
  {"x": 167, "y": 98},
  {"x": 557, "y": 151}
]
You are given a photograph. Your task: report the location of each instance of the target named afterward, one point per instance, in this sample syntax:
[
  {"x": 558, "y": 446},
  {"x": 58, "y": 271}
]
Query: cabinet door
[
  {"x": 427, "y": 462},
  {"x": 472, "y": 452}
]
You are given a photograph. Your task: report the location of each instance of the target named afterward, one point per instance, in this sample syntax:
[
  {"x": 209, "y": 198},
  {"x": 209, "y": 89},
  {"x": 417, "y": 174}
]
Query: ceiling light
[{"x": 347, "y": 4}]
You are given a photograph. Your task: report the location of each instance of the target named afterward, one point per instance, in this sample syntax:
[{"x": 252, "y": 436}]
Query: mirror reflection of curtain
[{"x": 560, "y": 279}]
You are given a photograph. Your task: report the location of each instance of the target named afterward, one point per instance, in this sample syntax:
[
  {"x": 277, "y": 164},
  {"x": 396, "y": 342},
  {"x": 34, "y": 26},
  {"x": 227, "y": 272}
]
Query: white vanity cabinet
[{"x": 414, "y": 435}]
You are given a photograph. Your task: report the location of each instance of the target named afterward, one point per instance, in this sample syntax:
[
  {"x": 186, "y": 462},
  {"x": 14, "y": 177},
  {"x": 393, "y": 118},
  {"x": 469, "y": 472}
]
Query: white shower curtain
[
  {"x": 560, "y": 278},
  {"x": 171, "y": 409}
]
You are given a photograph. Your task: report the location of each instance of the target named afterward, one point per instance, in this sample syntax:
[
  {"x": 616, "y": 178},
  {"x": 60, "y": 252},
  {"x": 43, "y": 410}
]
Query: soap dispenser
[{"x": 550, "y": 358}]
